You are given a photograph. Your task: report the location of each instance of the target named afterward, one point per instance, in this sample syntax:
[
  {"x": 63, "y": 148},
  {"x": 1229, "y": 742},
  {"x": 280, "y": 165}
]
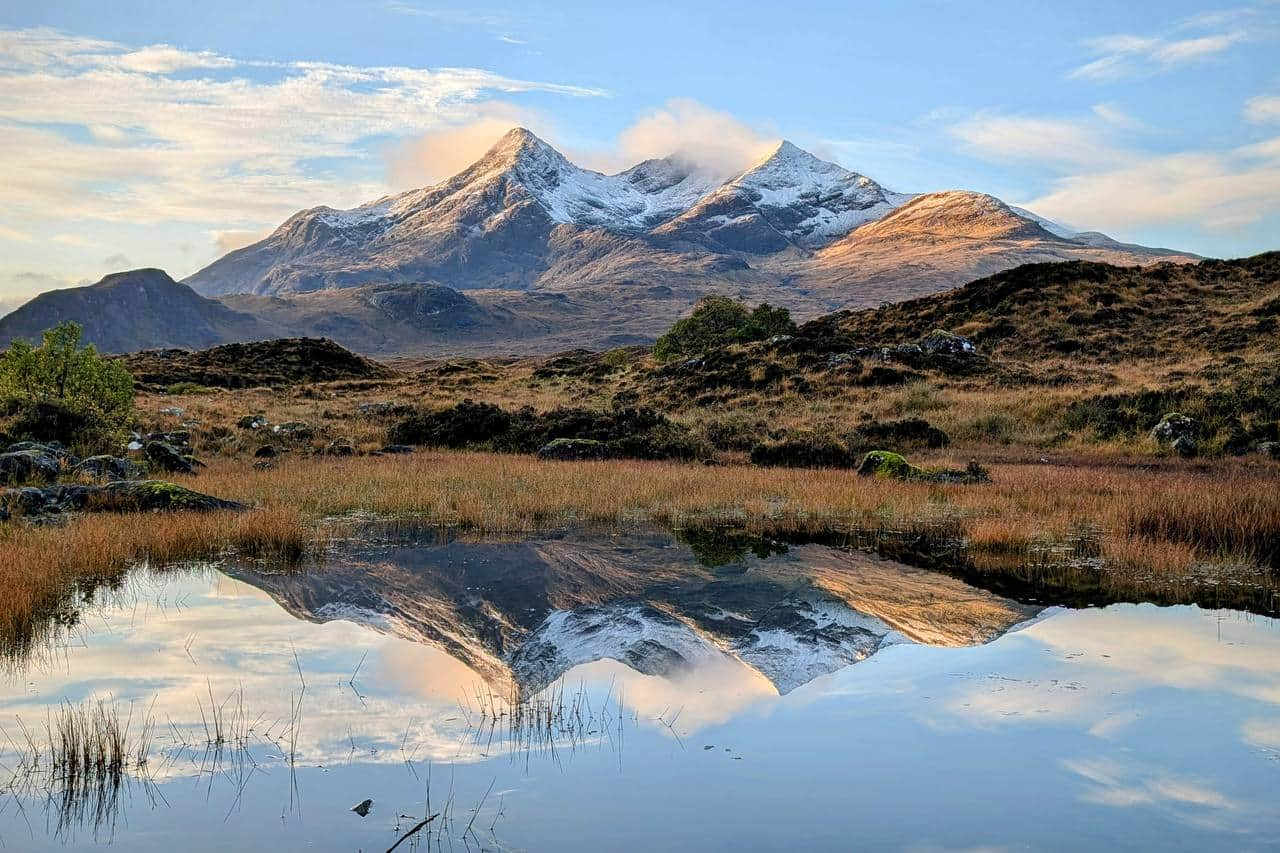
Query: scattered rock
[
  {"x": 180, "y": 438},
  {"x": 266, "y": 451},
  {"x": 940, "y": 342},
  {"x": 109, "y": 468},
  {"x": 573, "y": 449},
  {"x": 47, "y": 448},
  {"x": 173, "y": 411},
  {"x": 168, "y": 458},
  {"x": 24, "y": 466},
  {"x": 340, "y": 447},
  {"x": 252, "y": 422},
  {"x": 384, "y": 409},
  {"x": 363, "y": 808},
  {"x": 294, "y": 431},
  {"x": 1269, "y": 448},
  {"x": 396, "y": 449},
  {"x": 1176, "y": 432},
  {"x": 153, "y": 496},
  {"x": 120, "y": 496}
]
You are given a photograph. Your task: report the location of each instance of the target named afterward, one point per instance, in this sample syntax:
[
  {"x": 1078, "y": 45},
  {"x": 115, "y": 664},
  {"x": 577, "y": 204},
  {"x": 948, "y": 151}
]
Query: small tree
[
  {"x": 720, "y": 320},
  {"x": 63, "y": 374}
]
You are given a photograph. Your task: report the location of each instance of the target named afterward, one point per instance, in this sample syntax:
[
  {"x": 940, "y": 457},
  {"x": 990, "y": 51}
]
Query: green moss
[{"x": 888, "y": 465}]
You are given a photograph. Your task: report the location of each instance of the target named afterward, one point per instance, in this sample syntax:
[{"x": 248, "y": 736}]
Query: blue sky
[{"x": 161, "y": 134}]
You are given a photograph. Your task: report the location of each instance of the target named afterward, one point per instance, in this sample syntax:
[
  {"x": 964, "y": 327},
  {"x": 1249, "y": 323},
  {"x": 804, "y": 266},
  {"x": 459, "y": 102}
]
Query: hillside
[
  {"x": 252, "y": 365},
  {"x": 134, "y": 310},
  {"x": 1098, "y": 312}
]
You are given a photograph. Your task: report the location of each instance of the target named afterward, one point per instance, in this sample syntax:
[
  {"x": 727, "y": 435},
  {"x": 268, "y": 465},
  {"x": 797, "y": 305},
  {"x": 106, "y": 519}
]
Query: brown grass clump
[{"x": 38, "y": 565}]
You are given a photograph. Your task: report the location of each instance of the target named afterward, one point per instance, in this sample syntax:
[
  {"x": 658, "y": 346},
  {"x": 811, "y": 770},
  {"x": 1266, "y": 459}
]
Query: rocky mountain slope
[
  {"x": 1096, "y": 312},
  {"x": 524, "y": 217}
]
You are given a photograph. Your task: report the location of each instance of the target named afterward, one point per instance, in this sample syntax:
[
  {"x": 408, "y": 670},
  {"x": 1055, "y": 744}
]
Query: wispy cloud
[
  {"x": 1264, "y": 109},
  {"x": 710, "y": 139},
  {"x": 1190, "y": 40},
  {"x": 1102, "y": 181},
  {"x": 183, "y": 136}
]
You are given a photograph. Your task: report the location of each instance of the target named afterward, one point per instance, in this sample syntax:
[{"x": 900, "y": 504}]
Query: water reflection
[
  {"x": 525, "y": 612},
  {"x": 576, "y": 692}
]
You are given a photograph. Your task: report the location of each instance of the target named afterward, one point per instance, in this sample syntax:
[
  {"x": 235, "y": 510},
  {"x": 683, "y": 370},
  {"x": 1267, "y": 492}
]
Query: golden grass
[
  {"x": 1147, "y": 522},
  {"x": 1229, "y": 510},
  {"x": 39, "y": 564}
]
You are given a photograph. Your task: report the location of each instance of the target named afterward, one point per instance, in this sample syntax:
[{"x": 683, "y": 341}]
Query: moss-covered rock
[
  {"x": 888, "y": 465},
  {"x": 154, "y": 496},
  {"x": 1176, "y": 432}
]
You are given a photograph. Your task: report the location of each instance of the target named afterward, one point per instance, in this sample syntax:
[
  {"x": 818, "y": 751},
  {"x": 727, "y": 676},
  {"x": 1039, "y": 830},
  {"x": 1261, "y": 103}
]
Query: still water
[{"x": 630, "y": 692}]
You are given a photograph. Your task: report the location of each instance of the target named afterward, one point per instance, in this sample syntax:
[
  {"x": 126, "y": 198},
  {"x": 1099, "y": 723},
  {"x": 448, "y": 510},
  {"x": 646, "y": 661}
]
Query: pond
[{"x": 630, "y": 690}]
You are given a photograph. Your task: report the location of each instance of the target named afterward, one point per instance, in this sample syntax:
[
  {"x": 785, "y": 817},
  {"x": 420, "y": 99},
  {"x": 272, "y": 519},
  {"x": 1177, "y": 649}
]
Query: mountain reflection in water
[{"x": 523, "y": 613}]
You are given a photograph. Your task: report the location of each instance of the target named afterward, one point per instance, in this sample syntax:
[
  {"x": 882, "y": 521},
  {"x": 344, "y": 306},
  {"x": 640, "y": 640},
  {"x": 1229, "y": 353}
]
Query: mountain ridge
[{"x": 520, "y": 216}]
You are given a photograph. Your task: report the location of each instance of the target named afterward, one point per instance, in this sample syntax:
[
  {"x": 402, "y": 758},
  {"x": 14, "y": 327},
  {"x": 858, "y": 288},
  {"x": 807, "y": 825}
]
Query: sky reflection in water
[{"x": 1124, "y": 727}]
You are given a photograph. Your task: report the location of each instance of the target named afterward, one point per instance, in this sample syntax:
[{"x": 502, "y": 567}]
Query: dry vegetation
[{"x": 1069, "y": 463}]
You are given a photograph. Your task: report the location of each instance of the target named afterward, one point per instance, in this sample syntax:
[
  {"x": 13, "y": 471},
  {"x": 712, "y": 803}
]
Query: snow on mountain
[
  {"x": 793, "y": 229},
  {"x": 789, "y": 198}
]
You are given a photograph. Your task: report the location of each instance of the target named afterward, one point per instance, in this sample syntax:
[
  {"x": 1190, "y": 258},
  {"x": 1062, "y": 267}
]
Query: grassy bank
[{"x": 1154, "y": 526}]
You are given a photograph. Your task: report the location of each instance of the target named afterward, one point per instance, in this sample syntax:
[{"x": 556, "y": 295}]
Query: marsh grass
[
  {"x": 1147, "y": 522},
  {"x": 80, "y": 761},
  {"x": 41, "y": 568}
]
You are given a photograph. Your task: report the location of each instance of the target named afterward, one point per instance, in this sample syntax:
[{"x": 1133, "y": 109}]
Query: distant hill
[
  {"x": 286, "y": 361},
  {"x": 133, "y": 310}
]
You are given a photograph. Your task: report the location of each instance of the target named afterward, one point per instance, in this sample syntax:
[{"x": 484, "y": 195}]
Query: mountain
[
  {"x": 938, "y": 241},
  {"x": 524, "y": 218},
  {"x": 790, "y": 199},
  {"x": 524, "y": 252},
  {"x": 490, "y": 226},
  {"x": 139, "y": 309}
]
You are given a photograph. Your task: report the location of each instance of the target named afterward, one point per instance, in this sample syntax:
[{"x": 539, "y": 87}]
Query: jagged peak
[{"x": 520, "y": 145}]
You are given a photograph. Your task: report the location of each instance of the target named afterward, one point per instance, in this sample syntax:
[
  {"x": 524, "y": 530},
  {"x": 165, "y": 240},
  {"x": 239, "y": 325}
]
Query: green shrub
[
  {"x": 65, "y": 385},
  {"x": 718, "y": 321}
]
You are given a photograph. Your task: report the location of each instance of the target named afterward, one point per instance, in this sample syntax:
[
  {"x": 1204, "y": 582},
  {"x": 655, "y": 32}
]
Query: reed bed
[
  {"x": 39, "y": 566},
  {"x": 1163, "y": 521}
]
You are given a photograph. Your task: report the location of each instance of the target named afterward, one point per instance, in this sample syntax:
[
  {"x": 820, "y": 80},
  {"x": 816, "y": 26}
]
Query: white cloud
[
  {"x": 1116, "y": 117},
  {"x": 1059, "y": 142},
  {"x": 13, "y": 235},
  {"x": 229, "y": 241},
  {"x": 441, "y": 153},
  {"x": 1107, "y": 185},
  {"x": 1208, "y": 189},
  {"x": 235, "y": 144},
  {"x": 709, "y": 139},
  {"x": 712, "y": 139},
  {"x": 1264, "y": 109},
  {"x": 1122, "y": 54}
]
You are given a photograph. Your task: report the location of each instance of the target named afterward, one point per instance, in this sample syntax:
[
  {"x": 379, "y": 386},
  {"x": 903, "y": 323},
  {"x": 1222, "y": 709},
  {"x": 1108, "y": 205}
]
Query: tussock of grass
[{"x": 38, "y": 564}]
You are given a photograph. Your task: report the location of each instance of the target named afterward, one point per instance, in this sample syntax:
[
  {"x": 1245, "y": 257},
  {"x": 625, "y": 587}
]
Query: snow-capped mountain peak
[{"x": 524, "y": 216}]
